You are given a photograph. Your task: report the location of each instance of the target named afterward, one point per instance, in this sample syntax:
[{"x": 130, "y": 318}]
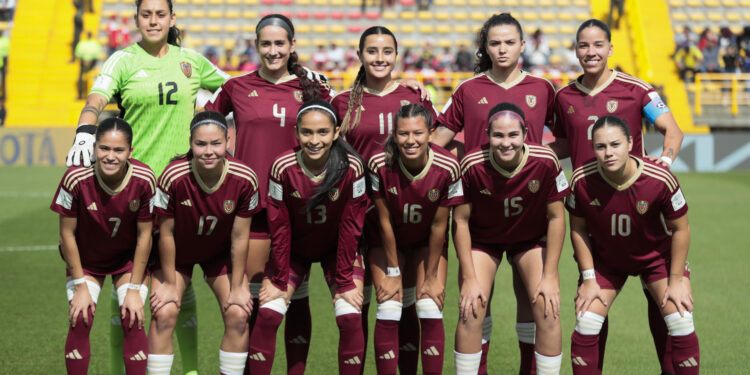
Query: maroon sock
[
  {"x": 134, "y": 347},
  {"x": 263, "y": 341},
  {"x": 686, "y": 356},
  {"x": 386, "y": 346},
  {"x": 603, "y": 342},
  {"x": 408, "y": 341},
  {"x": 298, "y": 326},
  {"x": 660, "y": 334},
  {"x": 77, "y": 347},
  {"x": 251, "y": 324},
  {"x": 365, "y": 332},
  {"x": 351, "y": 343},
  {"x": 483, "y": 361},
  {"x": 584, "y": 353},
  {"x": 432, "y": 345},
  {"x": 528, "y": 363}
]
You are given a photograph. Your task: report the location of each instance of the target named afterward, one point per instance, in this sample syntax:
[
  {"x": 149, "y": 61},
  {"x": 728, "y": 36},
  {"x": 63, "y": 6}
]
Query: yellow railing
[{"x": 720, "y": 89}]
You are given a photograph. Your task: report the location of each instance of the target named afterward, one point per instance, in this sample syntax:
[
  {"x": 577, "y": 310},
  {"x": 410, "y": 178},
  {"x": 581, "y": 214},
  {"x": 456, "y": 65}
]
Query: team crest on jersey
[
  {"x": 186, "y": 68},
  {"x": 298, "y": 95},
  {"x": 404, "y": 102},
  {"x": 642, "y": 207},
  {"x": 612, "y": 106},
  {"x": 534, "y": 186},
  {"x": 333, "y": 194},
  {"x": 228, "y": 206},
  {"x": 433, "y": 195},
  {"x": 531, "y": 101},
  {"x": 134, "y": 204}
]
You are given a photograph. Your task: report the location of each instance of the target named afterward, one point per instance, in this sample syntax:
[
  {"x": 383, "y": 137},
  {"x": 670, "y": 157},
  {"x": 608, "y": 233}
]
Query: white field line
[
  {"x": 8, "y": 249},
  {"x": 26, "y": 194}
]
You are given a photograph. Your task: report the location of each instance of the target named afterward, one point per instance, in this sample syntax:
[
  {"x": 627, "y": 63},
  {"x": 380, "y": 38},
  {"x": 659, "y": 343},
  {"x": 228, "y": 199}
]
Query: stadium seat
[
  {"x": 338, "y": 29},
  {"x": 460, "y": 16},
  {"x": 745, "y": 3},
  {"x": 581, "y": 3},
  {"x": 319, "y": 29},
  {"x": 475, "y": 28},
  {"x": 338, "y": 3},
  {"x": 229, "y": 43},
  {"x": 303, "y": 2},
  {"x": 286, "y": 2},
  {"x": 111, "y": 1},
  {"x": 303, "y": 15},
  {"x": 562, "y": 3},
  {"x": 199, "y": 2},
  {"x": 197, "y": 42},
  {"x": 409, "y": 43},
  {"x": 583, "y": 16},
  {"x": 443, "y": 29},
  {"x": 511, "y": 3},
  {"x": 407, "y": 3},
  {"x": 553, "y": 43},
  {"x": 355, "y": 3},
  {"x": 372, "y": 15},
  {"x": 546, "y": 3},
  {"x": 320, "y": 15},
  {"x": 424, "y": 15},
  {"x": 426, "y": 29},
  {"x": 394, "y": 28},
  {"x": 445, "y": 43},
  {"x": 231, "y": 28},
  {"x": 408, "y": 28},
  {"x": 547, "y": 16},
  {"x": 694, "y": 3},
  {"x": 697, "y": 17},
  {"x": 250, "y": 2},
  {"x": 729, "y": 3},
  {"x": 715, "y": 17},
  {"x": 179, "y": 13},
  {"x": 304, "y": 56},
  {"x": 320, "y": 42},
  {"x": 248, "y": 28},
  {"x": 233, "y": 2},
  {"x": 249, "y": 14},
  {"x": 213, "y": 28},
  {"x": 302, "y": 29},
  {"x": 390, "y": 15},
  {"x": 232, "y": 14},
  {"x": 733, "y": 17},
  {"x": 215, "y": 14},
  {"x": 337, "y": 15},
  {"x": 528, "y": 3},
  {"x": 712, "y": 3},
  {"x": 549, "y": 29},
  {"x": 746, "y": 16},
  {"x": 442, "y": 16},
  {"x": 478, "y": 16},
  {"x": 494, "y": 3},
  {"x": 215, "y": 42},
  {"x": 568, "y": 30},
  {"x": 565, "y": 16},
  {"x": 195, "y": 28},
  {"x": 679, "y": 16},
  {"x": 461, "y": 29},
  {"x": 530, "y": 16},
  {"x": 476, "y": 3},
  {"x": 197, "y": 14},
  {"x": 216, "y": 2},
  {"x": 303, "y": 42},
  {"x": 354, "y": 42},
  {"x": 408, "y": 16},
  {"x": 442, "y": 3},
  {"x": 355, "y": 15},
  {"x": 458, "y": 3}
]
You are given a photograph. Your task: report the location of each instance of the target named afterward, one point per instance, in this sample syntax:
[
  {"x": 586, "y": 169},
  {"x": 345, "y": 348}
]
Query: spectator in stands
[
  {"x": 537, "y": 50},
  {"x": 125, "y": 38},
  {"x": 4, "y": 51},
  {"x": 688, "y": 59},
  {"x": 685, "y": 38},
  {"x": 229, "y": 65},
  {"x": 336, "y": 57},
  {"x": 77, "y": 27},
  {"x": 212, "y": 55},
  {"x": 352, "y": 59},
  {"x": 7, "y": 8},
  {"x": 250, "y": 51},
  {"x": 319, "y": 58},
  {"x": 615, "y": 5},
  {"x": 569, "y": 58},
  {"x": 445, "y": 61},
  {"x": 88, "y": 52},
  {"x": 464, "y": 60},
  {"x": 726, "y": 37},
  {"x": 706, "y": 36},
  {"x": 731, "y": 59},
  {"x": 743, "y": 42},
  {"x": 409, "y": 61},
  {"x": 710, "y": 57},
  {"x": 247, "y": 65},
  {"x": 113, "y": 35}
]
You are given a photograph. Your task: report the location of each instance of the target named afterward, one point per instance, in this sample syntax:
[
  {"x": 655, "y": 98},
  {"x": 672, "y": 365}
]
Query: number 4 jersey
[
  {"x": 204, "y": 216},
  {"x": 106, "y": 230},
  {"x": 626, "y": 222},
  {"x": 156, "y": 97}
]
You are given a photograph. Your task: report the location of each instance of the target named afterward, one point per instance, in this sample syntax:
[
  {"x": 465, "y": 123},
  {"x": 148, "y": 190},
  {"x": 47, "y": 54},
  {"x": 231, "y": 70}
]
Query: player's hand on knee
[
  {"x": 678, "y": 292},
  {"x": 388, "y": 288},
  {"x": 549, "y": 290},
  {"x": 82, "y": 151},
  {"x": 354, "y": 297},
  {"x": 133, "y": 304},
  {"x": 587, "y": 293},
  {"x": 433, "y": 288},
  {"x": 80, "y": 303},
  {"x": 163, "y": 295},
  {"x": 240, "y": 297},
  {"x": 470, "y": 299},
  {"x": 269, "y": 292}
]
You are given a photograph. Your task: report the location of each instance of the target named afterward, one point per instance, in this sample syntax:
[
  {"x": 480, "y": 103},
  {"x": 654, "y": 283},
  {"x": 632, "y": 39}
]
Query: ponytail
[
  {"x": 174, "y": 37},
  {"x": 355, "y": 103},
  {"x": 310, "y": 87},
  {"x": 391, "y": 151}
]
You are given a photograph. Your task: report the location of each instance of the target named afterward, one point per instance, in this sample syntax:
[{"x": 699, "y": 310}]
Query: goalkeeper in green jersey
[{"x": 155, "y": 84}]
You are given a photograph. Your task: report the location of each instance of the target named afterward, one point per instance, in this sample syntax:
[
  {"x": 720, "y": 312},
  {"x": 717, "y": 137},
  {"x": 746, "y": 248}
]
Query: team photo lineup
[{"x": 276, "y": 171}]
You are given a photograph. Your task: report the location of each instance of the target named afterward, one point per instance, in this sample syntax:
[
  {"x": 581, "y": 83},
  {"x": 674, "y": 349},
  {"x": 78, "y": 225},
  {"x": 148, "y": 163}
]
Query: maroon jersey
[
  {"x": 511, "y": 206},
  {"x": 377, "y": 116},
  {"x": 414, "y": 200},
  {"x": 577, "y": 109},
  {"x": 469, "y": 105},
  {"x": 106, "y": 229},
  {"x": 334, "y": 225},
  {"x": 626, "y": 222},
  {"x": 265, "y": 114},
  {"x": 203, "y": 216}
]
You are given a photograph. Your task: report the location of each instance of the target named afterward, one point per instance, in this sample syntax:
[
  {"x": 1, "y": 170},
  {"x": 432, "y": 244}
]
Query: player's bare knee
[
  {"x": 235, "y": 318},
  {"x": 166, "y": 317}
]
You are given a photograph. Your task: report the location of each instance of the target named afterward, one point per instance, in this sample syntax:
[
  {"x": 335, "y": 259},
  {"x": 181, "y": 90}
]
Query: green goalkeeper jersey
[{"x": 156, "y": 97}]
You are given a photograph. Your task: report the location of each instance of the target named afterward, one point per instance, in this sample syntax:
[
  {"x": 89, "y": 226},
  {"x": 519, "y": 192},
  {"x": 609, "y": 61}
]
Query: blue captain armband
[{"x": 655, "y": 108}]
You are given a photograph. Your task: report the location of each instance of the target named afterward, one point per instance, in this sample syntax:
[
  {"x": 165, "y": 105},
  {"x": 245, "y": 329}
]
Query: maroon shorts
[
  {"x": 511, "y": 249},
  {"x": 124, "y": 266},
  {"x": 298, "y": 268},
  {"x": 609, "y": 278},
  {"x": 217, "y": 266},
  {"x": 259, "y": 226}
]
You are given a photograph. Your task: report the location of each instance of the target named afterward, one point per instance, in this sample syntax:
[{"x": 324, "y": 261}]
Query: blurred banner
[{"x": 700, "y": 152}]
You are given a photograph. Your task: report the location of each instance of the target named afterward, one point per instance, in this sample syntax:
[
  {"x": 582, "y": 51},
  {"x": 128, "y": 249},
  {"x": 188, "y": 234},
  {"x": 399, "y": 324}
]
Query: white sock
[
  {"x": 548, "y": 365},
  {"x": 232, "y": 363},
  {"x": 159, "y": 364},
  {"x": 467, "y": 364}
]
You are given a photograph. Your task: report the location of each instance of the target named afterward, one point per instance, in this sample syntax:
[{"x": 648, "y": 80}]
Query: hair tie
[
  {"x": 208, "y": 121},
  {"x": 303, "y": 110},
  {"x": 274, "y": 20},
  {"x": 506, "y": 113}
]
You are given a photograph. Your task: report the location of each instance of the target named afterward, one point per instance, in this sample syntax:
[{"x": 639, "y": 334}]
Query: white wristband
[
  {"x": 588, "y": 274},
  {"x": 393, "y": 272},
  {"x": 79, "y": 281},
  {"x": 133, "y": 286},
  {"x": 667, "y": 160}
]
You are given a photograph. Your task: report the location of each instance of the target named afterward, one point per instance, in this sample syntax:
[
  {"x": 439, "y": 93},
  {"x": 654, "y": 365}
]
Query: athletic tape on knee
[
  {"x": 94, "y": 290},
  {"x": 302, "y": 291},
  {"x": 486, "y": 329},
  {"x": 428, "y": 309},
  {"x": 342, "y": 307},
  {"x": 367, "y": 291},
  {"x": 680, "y": 325},
  {"x": 389, "y": 310},
  {"x": 255, "y": 289},
  {"x": 589, "y": 323},
  {"x": 279, "y": 305},
  {"x": 410, "y": 296},
  {"x": 123, "y": 290},
  {"x": 526, "y": 332}
]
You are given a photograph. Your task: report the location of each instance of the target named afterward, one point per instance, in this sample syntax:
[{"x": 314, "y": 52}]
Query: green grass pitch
[{"x": 34, "y": 308}]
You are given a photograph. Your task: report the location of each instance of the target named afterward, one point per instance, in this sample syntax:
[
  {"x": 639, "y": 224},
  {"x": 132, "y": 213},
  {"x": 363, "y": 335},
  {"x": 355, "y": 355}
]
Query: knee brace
[
  {"x": 589, "y": 323},
  {"x": 94, "y": 290},
  {"x": 680, "y": 325},
  {"x": 123, "y": 290},
  {"x": 428, "y": 309},
  {"x": 389, "y": 310},
  {"x": 279, "y": 305}
]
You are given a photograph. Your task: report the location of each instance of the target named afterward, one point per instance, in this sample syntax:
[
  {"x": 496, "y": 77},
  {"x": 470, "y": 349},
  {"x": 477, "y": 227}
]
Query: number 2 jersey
[
  {"x": 413, "y": 200},
  {"x": 156, "y": 97},
  {"x": 577, "y": 108},
  {"x": 265, "y": 114},
  {"x": 334, "y": 225},
  {"x": 106, "y": 228},
  {"x": 626, "y": 222},
  {"x": 204, "y": 216},
  {"x": 508, "y": 207}
]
